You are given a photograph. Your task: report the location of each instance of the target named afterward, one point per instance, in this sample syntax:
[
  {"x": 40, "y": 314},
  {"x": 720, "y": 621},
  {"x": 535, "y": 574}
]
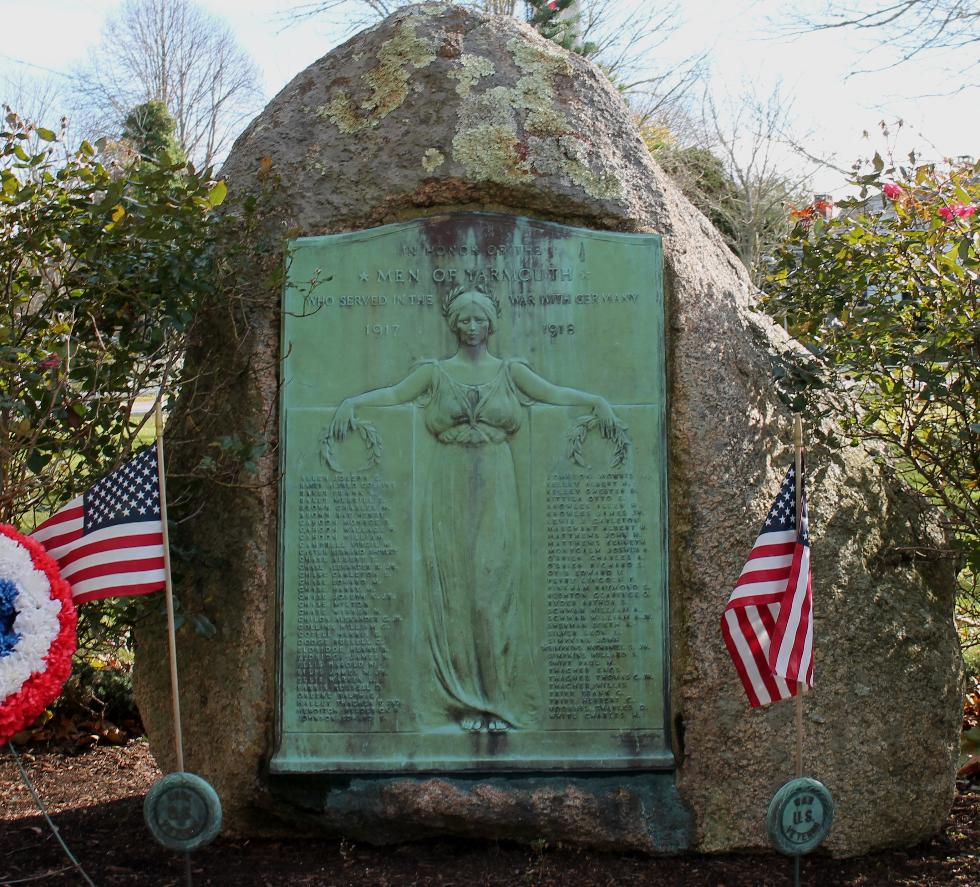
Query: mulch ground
[{"x": 96, "y": 800}]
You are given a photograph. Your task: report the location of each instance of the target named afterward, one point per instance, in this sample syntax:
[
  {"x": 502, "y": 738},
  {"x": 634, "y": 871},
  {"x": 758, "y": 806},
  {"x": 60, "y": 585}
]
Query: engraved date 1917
[{"x": 381, "y": 329}]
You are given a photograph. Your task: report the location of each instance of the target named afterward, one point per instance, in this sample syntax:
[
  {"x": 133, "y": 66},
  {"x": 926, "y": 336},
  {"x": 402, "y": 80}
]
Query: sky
[{"x": 750, "y": 46}]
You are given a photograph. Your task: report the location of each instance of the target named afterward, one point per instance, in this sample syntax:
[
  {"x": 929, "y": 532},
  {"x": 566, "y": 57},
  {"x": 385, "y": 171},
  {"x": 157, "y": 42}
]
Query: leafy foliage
[
  {"x": 705, "y": 182},
  {"x": 104, "y": 258},
  {"x": 750, "y": 206},
  {"x": 886, "y": 295},
  {"x": 100, "y": 269}
]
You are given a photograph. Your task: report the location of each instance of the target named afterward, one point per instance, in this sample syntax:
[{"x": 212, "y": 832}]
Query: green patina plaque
[{"x": 473, "y": 559}]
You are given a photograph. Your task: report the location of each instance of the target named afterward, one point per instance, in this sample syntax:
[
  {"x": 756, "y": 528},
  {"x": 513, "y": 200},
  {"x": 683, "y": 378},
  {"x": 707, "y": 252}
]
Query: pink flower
[
  {"x": 893, "y": 191},
  {"x": 957, "y": 210}
]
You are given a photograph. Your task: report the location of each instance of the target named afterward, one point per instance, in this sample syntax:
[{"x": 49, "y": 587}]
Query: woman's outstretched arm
[
  {"x": 542, "y": 390},
  {"x": 415, "y": 384}
]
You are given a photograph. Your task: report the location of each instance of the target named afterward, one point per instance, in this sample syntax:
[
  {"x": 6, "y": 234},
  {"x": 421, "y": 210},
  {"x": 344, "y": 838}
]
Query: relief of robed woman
[{"x": 473, "y": 612}]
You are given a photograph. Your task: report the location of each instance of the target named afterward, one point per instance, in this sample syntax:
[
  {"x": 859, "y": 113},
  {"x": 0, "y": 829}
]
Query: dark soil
[{"x": 96, "y": 800}]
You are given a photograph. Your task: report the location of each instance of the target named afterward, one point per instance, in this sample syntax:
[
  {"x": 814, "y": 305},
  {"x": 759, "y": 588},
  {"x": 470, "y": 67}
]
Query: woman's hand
[
  {"x": 607, "y": 418},
  {"x": 343, "y": 420}
]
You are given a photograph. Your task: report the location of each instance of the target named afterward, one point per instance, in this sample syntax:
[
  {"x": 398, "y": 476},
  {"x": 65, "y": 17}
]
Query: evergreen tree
[
  {"x": 152, "y": 132},
  {"x": 545, "y": 16}
]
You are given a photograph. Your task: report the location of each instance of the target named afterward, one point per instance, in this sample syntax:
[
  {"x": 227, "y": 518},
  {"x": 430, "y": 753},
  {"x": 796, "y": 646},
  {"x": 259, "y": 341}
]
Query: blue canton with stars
[
  {"x": 130, "y": 494},
  {"x": 782, "y": 515}
]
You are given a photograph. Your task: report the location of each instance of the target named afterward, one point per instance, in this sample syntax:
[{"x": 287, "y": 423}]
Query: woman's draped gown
[{"x": 475, "y": 616}]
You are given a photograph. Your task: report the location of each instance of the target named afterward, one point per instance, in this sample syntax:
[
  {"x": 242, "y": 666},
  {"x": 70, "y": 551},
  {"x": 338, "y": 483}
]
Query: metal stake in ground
[
  {"x": 800, "y": 687},
  {"x": 169, "y": 591},
  {"x": 799, "y": 818},
  {"x": 40, "y": 806},
  {"x": 182, "y": 810},
  {"x": 802, "y": 811}
]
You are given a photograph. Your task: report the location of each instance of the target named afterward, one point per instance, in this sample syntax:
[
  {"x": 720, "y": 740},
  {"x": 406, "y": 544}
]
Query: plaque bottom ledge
[{"x": 285, "y": 765}]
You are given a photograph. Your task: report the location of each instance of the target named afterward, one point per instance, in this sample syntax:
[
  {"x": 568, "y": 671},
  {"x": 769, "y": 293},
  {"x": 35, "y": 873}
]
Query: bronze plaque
[{"x": 473, "y": 561}]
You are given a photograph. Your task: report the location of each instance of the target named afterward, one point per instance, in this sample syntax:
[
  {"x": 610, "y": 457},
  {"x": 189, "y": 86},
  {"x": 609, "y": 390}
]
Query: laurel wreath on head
[
  {"x": 453, "y": 294},
  {"x": 372, "y": 446},
  {"x": 575, "y": 439}
]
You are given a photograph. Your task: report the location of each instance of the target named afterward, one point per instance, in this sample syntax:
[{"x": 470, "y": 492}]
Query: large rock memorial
[{"x": 522, "y": 433}]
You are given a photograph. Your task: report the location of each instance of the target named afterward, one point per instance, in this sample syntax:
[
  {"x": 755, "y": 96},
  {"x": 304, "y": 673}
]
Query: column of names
[
  {"x": 598, "y": 597},
  {"x": 344, "y": 618}
]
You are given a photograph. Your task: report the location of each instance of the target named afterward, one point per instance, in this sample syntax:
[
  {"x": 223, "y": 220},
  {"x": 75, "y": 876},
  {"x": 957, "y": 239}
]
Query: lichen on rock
[
  {"x": 568, "y": 155},
  {"x": 539, "y": 60},
  {"x": 388, "y": 80},
  {"x": 511, "y": 134},
  {"x": 494, "y": 153},
  {"x": 486, "y": 142},
  {"x": 469, "y": 71},
  {"x": 433, "y": 159}
]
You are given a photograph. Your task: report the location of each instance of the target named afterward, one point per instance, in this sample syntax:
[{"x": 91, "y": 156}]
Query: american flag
[
  {"x": 108, "y": 542},
  {"x": 768, "y": 622}
]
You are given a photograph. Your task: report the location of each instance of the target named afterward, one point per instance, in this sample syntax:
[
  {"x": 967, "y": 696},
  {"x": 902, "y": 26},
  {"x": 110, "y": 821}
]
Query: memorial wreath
[{"x": 37, "y": 631}]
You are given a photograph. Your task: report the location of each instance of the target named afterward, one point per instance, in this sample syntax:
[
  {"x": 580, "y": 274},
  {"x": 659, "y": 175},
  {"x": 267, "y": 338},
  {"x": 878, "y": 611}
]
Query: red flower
[
  {"x": 893, "y": 191},
  {"x": 50, "y": 362},
  {"x": 819, "y": 207},
  {"x": 957, "y": 210}
]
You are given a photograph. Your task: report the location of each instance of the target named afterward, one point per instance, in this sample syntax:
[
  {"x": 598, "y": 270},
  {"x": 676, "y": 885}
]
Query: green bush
[
  {"x": 885, "y": 296},
  {"x": 105, "y": 258}
]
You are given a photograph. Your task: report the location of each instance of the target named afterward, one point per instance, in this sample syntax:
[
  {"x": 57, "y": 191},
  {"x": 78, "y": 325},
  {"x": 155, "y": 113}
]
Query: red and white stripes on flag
[
  {"x": 768, "y": 622},
  {"x": 108, "y": 542}
]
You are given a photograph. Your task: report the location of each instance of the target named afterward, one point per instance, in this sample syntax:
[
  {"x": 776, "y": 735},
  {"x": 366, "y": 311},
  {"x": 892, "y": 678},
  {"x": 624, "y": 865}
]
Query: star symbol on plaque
[{"x": 363, "y": 277}]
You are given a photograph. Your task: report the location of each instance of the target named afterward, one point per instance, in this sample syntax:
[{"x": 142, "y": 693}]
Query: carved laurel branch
[
  {"x": 372, "y": 447},
  {"x": 579, "y": 431}
]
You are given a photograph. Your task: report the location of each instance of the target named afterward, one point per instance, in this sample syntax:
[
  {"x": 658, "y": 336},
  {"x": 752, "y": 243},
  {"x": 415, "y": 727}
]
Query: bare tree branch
[
  {"x": 39, "y": 99},
  {"x": 751, "y": 204},
  {"x": 914, "y": 27},
  {"x": 176, "y": 53}
]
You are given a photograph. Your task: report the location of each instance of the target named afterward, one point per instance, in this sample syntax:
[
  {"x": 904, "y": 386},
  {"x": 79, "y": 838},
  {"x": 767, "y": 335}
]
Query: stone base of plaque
[{"x": 639, "y": 812}]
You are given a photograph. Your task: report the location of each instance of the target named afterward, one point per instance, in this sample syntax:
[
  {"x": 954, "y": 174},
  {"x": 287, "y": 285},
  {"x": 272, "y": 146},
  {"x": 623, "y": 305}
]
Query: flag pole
[
  {"x": 800, "y": 686},
  {"x": 169, "y": 589}
]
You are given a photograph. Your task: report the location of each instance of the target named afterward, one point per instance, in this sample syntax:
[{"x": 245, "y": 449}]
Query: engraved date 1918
[
  {"x": 381, "y": 329},
  {"x": 559, "y": 329}
]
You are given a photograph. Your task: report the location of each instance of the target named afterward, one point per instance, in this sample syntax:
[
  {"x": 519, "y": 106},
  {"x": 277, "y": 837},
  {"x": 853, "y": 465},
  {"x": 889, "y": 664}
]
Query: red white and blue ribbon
[{"x": 37, "y": 631}]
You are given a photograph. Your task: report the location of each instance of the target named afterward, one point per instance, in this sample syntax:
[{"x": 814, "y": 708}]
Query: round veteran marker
[
  {"x": 800, "y": 815},
  {"x": 182, "y": 812}
]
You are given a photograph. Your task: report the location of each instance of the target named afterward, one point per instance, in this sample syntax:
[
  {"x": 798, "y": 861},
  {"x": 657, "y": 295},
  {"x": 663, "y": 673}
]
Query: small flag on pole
[
  {"x": 768, "y": 622},
  {"x": 108, "y": 542}
]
